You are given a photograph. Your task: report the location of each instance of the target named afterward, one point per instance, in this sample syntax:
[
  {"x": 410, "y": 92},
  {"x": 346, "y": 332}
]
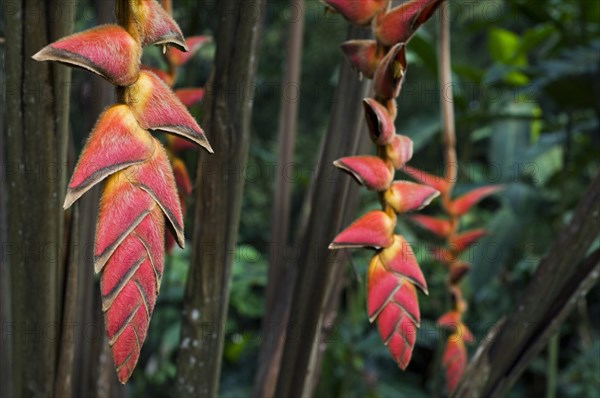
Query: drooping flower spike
[
  {"x": 454, "y": 359},
  {"x": 140, "y": 198},
  {"x": 393, "y": 273}
]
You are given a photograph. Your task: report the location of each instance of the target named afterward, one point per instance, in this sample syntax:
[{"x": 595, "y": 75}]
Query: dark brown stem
[
  {"x": 280, "y": 216},
  {"x": 271, "y": 347},
  {"x": 228, "y": 108},
  {"x": 37, "y": 108},
  {"x": 317, "y": 265}
]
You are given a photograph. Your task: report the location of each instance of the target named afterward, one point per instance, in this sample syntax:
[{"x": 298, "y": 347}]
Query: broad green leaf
[
  {"x": 510, "y": 136},
  {"x": 504, "y": 45}
]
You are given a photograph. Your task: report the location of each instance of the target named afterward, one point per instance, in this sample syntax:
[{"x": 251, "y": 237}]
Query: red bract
[
  {"x": 174, "y": 59},
  {"x": 358, "y": 12},
  {"x": 463, "y": 241},
  {"x": 392, "y": 298},
  {"x": 156, "y": 107},
  {"x": 405, "y": 196},
  {"x": 390, "y": 73},
  {"x": 439, "y": 227},
  {"x": 129, "y": 286},
  {"x": 462, "y": 204},
  {"x": 400, "y": 150},
  {"x": 363, "y": 55},
  {"x": 154, "y": 25},
  {"x": 116, "y": 142},
  {"x": 374, "y": 229},
  {"x": 109, "y": 51},
  {"x": 190, "y": 96},
  {"x": 140, "y": 190},
  {"x": 370, "y": 171},
  {"x": 381, "y": 125},
  {"x": 164, "y": 76},
  {"x": 178, "y": 58},
  {"x": 400, "y": 23},
  {"x": 437, "y": 182},
  {"x": 454, "y": 358},
  {"x": 393, "y": 271}
]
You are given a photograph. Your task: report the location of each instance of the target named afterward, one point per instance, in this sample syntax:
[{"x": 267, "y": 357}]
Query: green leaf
[
  {"x": 548, "y": 163},
  {"x": 423, "y": 50},
  {"x": 503, "y": 46},
  {"x": 534, "y": 37},
  {"x": 510, "y": 136}
]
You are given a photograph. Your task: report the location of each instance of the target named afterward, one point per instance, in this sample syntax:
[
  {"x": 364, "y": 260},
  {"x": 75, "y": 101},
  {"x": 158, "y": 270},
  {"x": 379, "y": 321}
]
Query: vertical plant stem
[
  {"x": 5, "y": 317},
  {"x": 218, "y": 198},
  {"x": 280, "y": 217},
  {"x": 66, "y": 353},
  {"x": 317, "y": 264},
  {"x": 447, "y": 99},
  {"x": 36, "y": 116},
  {"x": 270, "y": 350},
  {"x": 552, "y": 366}
]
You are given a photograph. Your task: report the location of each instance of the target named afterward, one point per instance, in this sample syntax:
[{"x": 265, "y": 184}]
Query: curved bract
[
  {"x": 454, "y": 358},
  {"x": 400, "y": 23},
  {"x": 108, "y": 50},
  {"x": 394, "y": 273},
  {"x": 140, "y": 195},
  {"x": 358, "y": 12}
]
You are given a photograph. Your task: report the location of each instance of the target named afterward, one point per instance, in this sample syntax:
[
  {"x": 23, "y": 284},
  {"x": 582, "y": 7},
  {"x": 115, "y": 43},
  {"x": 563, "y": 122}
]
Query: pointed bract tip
[
  {"x": 357, "y": 12},
  {"x": 405, "y": 196},
  {"x": 107, "y": 50},
  {"x": 149, "y": 97},
  {"x": 399, "y": 24},
  {"x": 374, "y": 229},
  {"x": 157, "y": 27},
  {"x": 464, "y": 203},
  {"x": 370, "y": 171}
]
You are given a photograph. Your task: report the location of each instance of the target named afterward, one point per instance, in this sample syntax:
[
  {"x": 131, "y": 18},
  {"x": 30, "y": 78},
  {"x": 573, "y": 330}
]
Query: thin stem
[
  {"x": 124, "y": 15},
  {"x": 552, "y": 367},
  {"x": 447, "y": 100}
]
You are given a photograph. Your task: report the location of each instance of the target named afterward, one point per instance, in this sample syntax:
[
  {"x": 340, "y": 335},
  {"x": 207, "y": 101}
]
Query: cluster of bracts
[
  {"x": 140, "y": 189},
  {"x": 454, "y": 358},
  {"x": 393, "y": 271}
]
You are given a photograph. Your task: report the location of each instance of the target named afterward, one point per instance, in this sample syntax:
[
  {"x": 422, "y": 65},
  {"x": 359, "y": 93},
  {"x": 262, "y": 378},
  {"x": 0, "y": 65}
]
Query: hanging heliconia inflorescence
[
  {"x": 140, "y": 190},
  {"x": 454, "y": 358},
  {"x": 393, "y": 271}
]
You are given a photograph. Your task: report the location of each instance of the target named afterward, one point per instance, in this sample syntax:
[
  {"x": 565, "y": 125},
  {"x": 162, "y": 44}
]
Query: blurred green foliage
[{"x": 527, "y": 101}]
